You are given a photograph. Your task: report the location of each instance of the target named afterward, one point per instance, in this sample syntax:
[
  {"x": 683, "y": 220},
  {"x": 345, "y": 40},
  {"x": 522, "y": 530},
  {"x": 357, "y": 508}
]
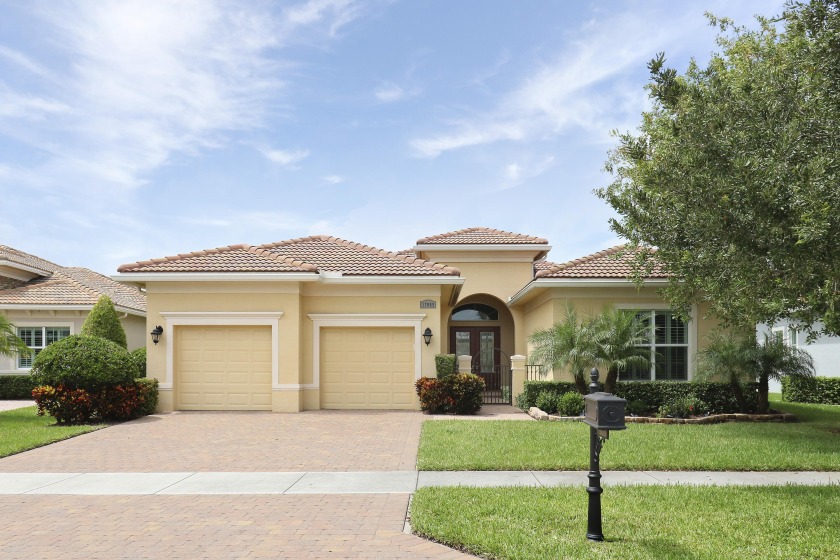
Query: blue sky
[{"x": 139, "y": 129}]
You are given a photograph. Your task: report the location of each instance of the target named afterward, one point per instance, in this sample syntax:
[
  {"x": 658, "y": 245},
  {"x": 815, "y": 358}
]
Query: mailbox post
[{"x": 603, "y": 412}]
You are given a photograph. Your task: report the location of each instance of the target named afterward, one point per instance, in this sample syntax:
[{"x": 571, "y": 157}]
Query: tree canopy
[
  {"x": 734, "y": 173},
  {"x": 104, "y": 322}
]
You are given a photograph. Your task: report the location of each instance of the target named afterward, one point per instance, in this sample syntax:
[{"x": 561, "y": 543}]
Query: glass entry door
[{"x": 482, "y": 343}]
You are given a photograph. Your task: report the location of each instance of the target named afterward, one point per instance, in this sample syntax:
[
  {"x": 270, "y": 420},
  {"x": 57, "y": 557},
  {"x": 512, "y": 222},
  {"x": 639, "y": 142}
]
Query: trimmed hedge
[
  {"x": 77, "y": 406},
  {"x": 814, "y": 390},
  {"x": 103, "y": 321},
  {"x": 16, "y": 387},
  {"x": 445, "y": 365},
  {"x": 138, "y": 356},
  {"x": 83, "y": 362},
  {"x": 717, "y": 396}
]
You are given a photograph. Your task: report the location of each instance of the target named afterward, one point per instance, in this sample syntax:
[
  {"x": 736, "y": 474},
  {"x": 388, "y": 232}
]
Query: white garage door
[
  {"x": 223, "y": 368},
  {"x": 367, "y": 368}
]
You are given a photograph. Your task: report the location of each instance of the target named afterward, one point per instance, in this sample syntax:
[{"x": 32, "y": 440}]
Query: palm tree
[
  {"x": 566, "y": 344},
  {"x": 741, "y": 358},
  {"x": 773, "y": 360},
  {"x": 729, "y": 358},
  {"x": 619, "y": 336},
  {"x": 10, "y": 344}
]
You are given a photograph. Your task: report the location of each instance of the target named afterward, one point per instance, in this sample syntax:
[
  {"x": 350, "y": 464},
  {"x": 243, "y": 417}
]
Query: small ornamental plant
[
  {"x": 459, "y": 393},
  {"x": 683, "y": 407}
]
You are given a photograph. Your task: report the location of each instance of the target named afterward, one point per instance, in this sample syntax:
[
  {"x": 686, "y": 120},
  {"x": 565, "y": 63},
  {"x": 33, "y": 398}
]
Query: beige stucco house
[
  {"x": 47, "y": 302},
  {"x": 321, "y": 322}
]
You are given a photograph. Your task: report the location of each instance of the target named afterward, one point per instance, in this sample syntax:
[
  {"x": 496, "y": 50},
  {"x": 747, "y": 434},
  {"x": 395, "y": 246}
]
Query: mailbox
[{"x": 604, "y": 411}]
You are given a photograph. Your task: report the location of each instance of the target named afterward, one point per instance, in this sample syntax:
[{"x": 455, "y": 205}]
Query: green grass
[
  {"x": 22, "y": 429},
  {"x": 812, "y": 444},
  {"x": 655, "y": 522}
]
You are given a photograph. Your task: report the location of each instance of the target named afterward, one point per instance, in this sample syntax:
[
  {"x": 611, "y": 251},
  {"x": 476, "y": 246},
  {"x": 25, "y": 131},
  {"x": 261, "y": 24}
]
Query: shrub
[
  {"x": 67, "y": 406},
  {"x": 138, "y": 356},
  {"x": 148, "y": 389},
  {"x": 102, "y": 321},
  {"x": 459, "y": 393},
  {"x": 16, "y": 387},
  {"x": 464, "y": 390},
  {"x": 532, "y": 389},
  {"x": 445, "y": 365},
  {"x": 547, "y": 402},
  {"x": 639, "y": 407},
  {"x": 683, "y": 407},
  {"x": 570, "y": 404},
  {"x": 717, "y": 396},
  {"x": 83, "y": 362},
  {"x": 433, "y": 396},
  {"x": 815, "y": 390}
]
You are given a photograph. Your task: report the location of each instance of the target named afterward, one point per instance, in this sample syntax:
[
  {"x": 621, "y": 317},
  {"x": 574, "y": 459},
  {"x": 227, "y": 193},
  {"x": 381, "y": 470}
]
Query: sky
[{"x": 137, "y": 129}]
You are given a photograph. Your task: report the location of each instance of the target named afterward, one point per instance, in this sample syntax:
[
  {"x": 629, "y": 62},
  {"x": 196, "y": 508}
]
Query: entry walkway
[{"x": 380, "y": 482}]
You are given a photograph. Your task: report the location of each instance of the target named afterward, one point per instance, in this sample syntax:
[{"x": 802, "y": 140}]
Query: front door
[{"x": 482, "y": 343}]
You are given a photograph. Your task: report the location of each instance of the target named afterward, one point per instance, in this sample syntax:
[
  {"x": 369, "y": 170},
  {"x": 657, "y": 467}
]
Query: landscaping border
[{"x": 538, "y": 414}]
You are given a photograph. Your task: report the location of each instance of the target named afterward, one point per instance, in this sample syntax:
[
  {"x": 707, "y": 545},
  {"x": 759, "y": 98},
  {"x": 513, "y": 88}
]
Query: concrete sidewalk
[{"x": 387, "y": 482}]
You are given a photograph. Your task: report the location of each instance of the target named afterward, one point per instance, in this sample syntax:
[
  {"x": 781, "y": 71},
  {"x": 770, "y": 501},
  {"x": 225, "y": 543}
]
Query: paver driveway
[{"x": 230, "y": 526}]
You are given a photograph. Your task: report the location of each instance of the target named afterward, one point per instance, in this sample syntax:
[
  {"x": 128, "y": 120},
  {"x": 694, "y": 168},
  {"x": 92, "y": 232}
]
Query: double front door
[{"x": 482, "y": 343}]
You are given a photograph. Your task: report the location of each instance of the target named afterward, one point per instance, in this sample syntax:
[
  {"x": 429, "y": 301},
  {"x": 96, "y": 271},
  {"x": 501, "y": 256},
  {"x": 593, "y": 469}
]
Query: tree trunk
[
  {"x": 609, "y": 382},
  {"x": 739, "y": 397},
  {"x": 763, "y": 390},
  {"x": 580, "y": 383}
]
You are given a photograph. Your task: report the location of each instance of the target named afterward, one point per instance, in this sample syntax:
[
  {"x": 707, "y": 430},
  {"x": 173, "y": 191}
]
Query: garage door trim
[
  {"x": 319, "y": 320},
  {"x": 173, "y": 319}
]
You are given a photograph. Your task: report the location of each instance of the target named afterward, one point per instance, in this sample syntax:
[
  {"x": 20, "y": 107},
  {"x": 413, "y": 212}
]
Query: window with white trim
[
  {"x": 667, "y": 340},
  {"x": 38, "y": 338}
]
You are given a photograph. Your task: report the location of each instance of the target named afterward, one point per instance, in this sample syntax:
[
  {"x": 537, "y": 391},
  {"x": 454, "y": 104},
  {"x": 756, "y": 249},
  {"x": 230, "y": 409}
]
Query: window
[
  {"x": 38, "y": 338},
  {"x": 475, "y": 312},
  {"x": 668, "y": 343}
]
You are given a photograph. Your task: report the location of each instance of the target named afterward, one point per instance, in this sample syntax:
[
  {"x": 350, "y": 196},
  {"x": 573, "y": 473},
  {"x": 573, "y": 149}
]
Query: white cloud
[
  {"x": 389, "y": 92},
  {"x": 146, "y": 80},
  {"x": 285, "y": 158},
  {"x": 529, "y": 167},
  {"x": 333, "y": 179}
]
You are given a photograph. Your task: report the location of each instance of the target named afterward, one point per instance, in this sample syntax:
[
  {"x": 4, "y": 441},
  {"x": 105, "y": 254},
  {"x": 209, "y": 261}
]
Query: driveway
[{"x": 229, "y": 526}]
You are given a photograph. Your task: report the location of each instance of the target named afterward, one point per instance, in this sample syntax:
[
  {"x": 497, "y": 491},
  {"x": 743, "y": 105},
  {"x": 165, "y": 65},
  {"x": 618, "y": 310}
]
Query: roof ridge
[
  {"x": 73, "y": 280},
  {"x": 262, "y": 252},
  {"x": 35, "y": 257},
  {"x": 370, "y": 249},
  {"x": 580, "y": 260},
  {"x": 181, "y": 256},
  {"x": 495, "y": 231}
]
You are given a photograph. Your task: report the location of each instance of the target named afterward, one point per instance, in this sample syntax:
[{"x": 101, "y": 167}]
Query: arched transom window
[{"x": 475, "y": 312}]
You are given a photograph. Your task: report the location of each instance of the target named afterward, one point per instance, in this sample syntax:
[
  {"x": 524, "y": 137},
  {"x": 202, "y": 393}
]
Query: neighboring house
[
  {"x": 47, "y": 302},
  {"x": 825, "y": 349},
  {"x": 321, "y": 322}
]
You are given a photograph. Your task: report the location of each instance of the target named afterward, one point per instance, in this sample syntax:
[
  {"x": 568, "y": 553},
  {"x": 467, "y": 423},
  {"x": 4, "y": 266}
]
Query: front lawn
[
  {"x": 655, "y": 522},
  {"x": 812, "y": 444},
  {"x": 22, "y": 429}
]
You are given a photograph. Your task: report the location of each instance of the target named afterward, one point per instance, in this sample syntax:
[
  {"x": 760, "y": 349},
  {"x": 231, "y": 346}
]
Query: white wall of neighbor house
[
  {"x": 135, "y": 329},
  {"x": 825, "y": 349}
]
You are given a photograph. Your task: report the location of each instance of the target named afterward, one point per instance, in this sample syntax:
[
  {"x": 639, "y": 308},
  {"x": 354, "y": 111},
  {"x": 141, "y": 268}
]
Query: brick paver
[
  {"x": 230, "y": 526},
  {"x": 237, "y": 441},
  {"x": 322, "y": 526}
]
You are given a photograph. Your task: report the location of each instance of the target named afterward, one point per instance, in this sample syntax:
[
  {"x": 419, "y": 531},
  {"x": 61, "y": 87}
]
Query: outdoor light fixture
[
  {"x": 427, "y": 336},
  {"x": 156, "y": 332}
]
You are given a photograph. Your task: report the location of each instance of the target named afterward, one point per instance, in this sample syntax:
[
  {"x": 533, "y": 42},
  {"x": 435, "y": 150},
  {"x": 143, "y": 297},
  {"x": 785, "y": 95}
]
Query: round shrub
[
  {"x": 83, "y": 362},
  {"x": 138, "y": 356},
  {"x": 547, "y": 402},
  {"x": 465, "y": 390},
  {"x": 570, "y": 404}
]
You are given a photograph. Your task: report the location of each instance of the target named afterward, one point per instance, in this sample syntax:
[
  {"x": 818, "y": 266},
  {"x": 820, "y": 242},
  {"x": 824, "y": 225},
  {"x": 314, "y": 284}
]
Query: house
[
  {"x": 320, "y": 322},
  {"x": 825, "y": 350},
  {"x": 47, "y": 302}
]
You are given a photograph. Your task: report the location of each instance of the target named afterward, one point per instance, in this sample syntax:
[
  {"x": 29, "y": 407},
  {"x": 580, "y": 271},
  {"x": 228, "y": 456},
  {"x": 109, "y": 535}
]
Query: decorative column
[
  {"x": 464, "y": 364},
  {"x": 517, "y": 373}
]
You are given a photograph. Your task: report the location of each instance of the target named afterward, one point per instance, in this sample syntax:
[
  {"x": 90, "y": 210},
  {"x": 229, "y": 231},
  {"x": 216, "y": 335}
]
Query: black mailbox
[{"x": 604, "y": 411}]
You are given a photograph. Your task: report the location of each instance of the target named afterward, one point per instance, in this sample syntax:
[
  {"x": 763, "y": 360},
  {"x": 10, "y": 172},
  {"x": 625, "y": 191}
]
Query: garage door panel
[
  {"x": 223, "y": 368},
  {"x": 367, "y": 367}
]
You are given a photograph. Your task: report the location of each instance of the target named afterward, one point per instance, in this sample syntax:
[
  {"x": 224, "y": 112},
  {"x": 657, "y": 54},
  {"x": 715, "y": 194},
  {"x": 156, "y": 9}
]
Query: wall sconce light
[
  {"x": 427, "y": 335},
  {"x": 156, "y": 332}
]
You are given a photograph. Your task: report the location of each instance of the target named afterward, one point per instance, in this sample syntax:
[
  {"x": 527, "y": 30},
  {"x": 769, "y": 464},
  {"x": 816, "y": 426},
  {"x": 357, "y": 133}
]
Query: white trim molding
[
  {"x": 580, "y": 283},
  {"x": 319, "y": 320},
  {"x": 174, "y": 319}
]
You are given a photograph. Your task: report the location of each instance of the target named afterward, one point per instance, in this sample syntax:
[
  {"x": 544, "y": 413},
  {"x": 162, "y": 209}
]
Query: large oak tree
[{"x": 734, "y": 173}]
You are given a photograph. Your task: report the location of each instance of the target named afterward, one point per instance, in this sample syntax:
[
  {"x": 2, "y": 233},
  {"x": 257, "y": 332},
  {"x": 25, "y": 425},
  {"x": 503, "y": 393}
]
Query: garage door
[
  {"x": 367, "y": 368},
  {"x": 223, "y": 368}
]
